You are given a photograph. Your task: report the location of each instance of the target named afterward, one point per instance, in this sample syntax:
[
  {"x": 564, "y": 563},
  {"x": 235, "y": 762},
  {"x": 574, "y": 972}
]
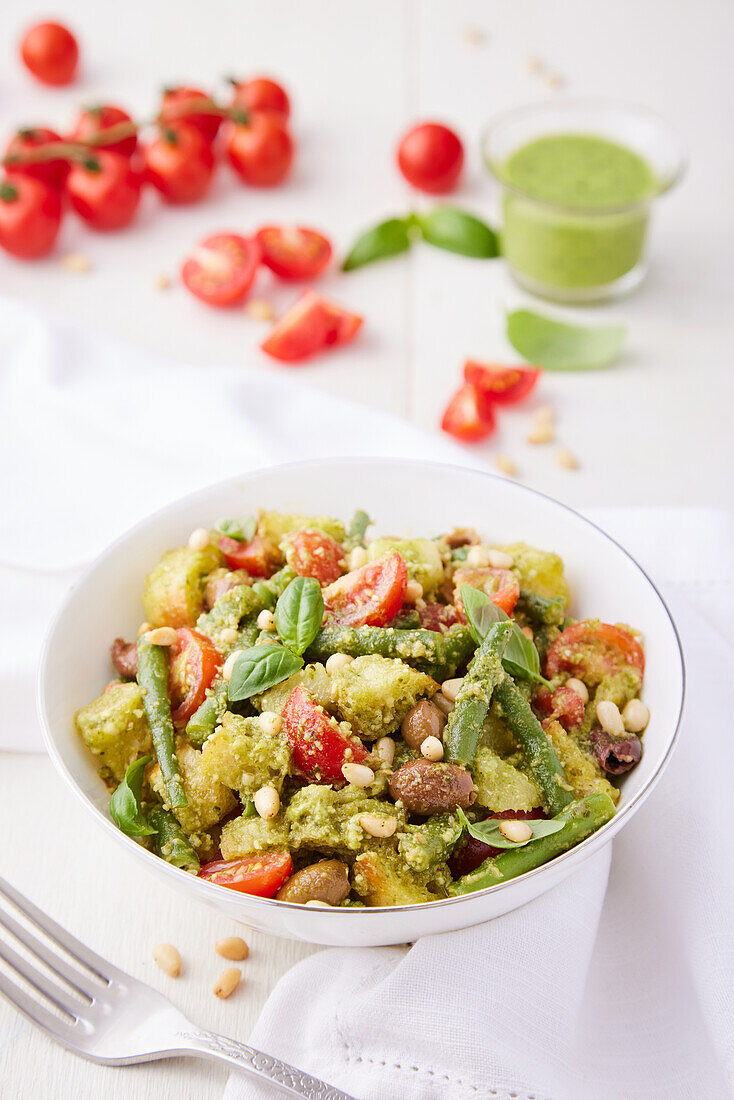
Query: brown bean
[
  {"x": 462, "y": 536},
  {"x": 327, "y": 881},
  {"x": 424, "y": 720},
  {"x": 125, "y": 658},
  {"x": 222, "y": 581},
  {"x": 615, "y": 755},
  {"x": 427, "y": 788}
]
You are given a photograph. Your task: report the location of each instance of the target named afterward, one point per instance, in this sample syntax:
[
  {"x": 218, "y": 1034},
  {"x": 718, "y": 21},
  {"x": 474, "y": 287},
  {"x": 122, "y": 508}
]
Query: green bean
[
  {"x": 153, "y": 683},
  {"x": 243, "y": 602},
  {"x": 171, "y": 842},
  {"x": 466, "y": 720},
  {"x": 357, "y": 529},
  {"x": 545, "y": 612},
  {"x": 204, "y": 721},
  {"x": 406, "y": 620},
  {"x": 539, "y": 752},
  {"x": 438, "y": 655},
  {"x": 584, "y": 817}
]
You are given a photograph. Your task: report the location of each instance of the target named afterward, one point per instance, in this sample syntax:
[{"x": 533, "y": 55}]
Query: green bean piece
[
  {"x": 204, "y": 721},
  {"x": 171, "y": 842},
  {"x": 544, "y": 612},
  {"x": 438, "y": 655},
  {"x": 466, "y": 721},
  {"x": 241, "y": 603},
  {"x": 584, "y": 817},
  {"x": 406, "y": 620},
  {"x": 358, "y": 529},
  {"x": 539, "y": 752},
  {"x": 153, "y": 683},
  {"x": 261, "y": 589},
  {"x": 279, "y": 581}
]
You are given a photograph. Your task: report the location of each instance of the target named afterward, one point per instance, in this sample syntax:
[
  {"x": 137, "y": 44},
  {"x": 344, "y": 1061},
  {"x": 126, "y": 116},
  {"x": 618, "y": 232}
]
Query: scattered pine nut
[
  {"x": 266, "y": 620},
  {"x": 144, "y": 628},
  {"x": 260, "y": 309},
  {"x": 76, "y": 262},
  {"x": 385, "y": 749},
  {"x": 358, "y": 557},
  {"x": 162, "y": 281},
  {"x": 228, "y": 666},
  {"x": 544, "y": 414},
  {"x": 609, "y": 717},
  {"x": 534, "y": 64},
  {"x": 270, "y": 723},
  {"x": 360, "y": 775},
  {"x": 580, "y": 688},
  {"x": 505, "y": 465},
  {"x": 267, "y": 802},
  {"x": 227, "y": 982},
  {"x": 431, "y": 748},
  {"x": 477, "y": 557},
  {"x": 474, "y": 36},
  {"x": 232, "y": 947},
  {"x": 444, "y": 705},
  {"x": 228, "y": 635},
  {"x": 566, "y": 459},
  {"x": 316, "y": 903},
  {"x": 541, "y": 433},
  {"x": 168, "y": 958},
  {"x": 516, "y": 831},
  {"x": 451, "y": 688},
  {"x": 337, "y": 661},
  {"x": 199, "y": 539},
  {"x": 378, "y": 826},
  {"x": 500, "y": 559},
  {"x": 555, "y": 80},
  {"x": 162, "y": 635},
  {"x": 635, "y": 716}
]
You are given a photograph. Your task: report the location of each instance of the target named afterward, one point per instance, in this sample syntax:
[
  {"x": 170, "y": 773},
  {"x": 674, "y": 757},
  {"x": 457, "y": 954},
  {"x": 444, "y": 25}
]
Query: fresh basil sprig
[
  {"x": 520, "y": 658},
  {"x": 298, "y": 613},
  {"x": 456, "y": 231},
  {"x": 488, "y": 831},
  {"x": 125, "y": 808},
  {"x": 261, "y": 667},
  {"x": 556, "y": 345},
  {"x": 243, "y": 530},
  {"x": 389, "y": 238}
]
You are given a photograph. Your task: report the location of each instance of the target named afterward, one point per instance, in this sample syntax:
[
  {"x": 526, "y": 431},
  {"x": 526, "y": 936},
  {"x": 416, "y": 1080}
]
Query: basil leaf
[
  {"x": 480, "y": 612},
  {"x": 455, "y": 230},
  {"x": 125, "y": 808},
  {"x": 520, "y": 658},
  {"x": 558, "y": 346},
  {"x": 240, "y": 529},
  {"x": 261, "y": 667},
  {"x": 489, "y": 831},
  {"x": 389, "y": 238},
  {"x": 298, "y": 613}
]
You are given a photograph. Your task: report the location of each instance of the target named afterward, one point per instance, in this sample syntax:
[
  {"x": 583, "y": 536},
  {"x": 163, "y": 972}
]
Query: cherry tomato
[
  {"x": 193, "y": 663},
  {"x": 564, "y": 705},
  {"x": 501, "y": 585},
  {"x": 592, "y": 651},
  {"x": 260, "y": 875},
  {"x": 438, "y": 616},
  {"x": 92, "y": 123},
  {"x": 371, "y": 595},
  {"x": 51, "y": 52},
  {"x": 180, "y": 163},
  {"x": 473, "y": 853},
  {"x": 262, "y": 94},
  {"x": 431, "y": 157},
  {"x": 221, "y": 269},
  {"x": 30, "y": 217},
  {"x": 343, "y": 324},
  {"x": 260, "y": 556},
  {"x": 260, "y": 150},
  {"x": 52, "y": 172},
  {"x": 104, "y": 190},
  {"x": 468, "y": 416},
  {"x": 300, "y": 332},
  {"x": 320, "y": 746},
  {"x": 501, "y": 385},
  {"x": 294, "y": 252},
  {"x": 315, "y": 554},
  {"x": 179, "y": 103}
]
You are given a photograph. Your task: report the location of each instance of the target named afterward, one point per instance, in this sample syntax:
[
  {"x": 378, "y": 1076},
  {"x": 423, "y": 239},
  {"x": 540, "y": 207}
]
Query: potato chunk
[
  {"x": 209, "y": 800},
  {"x": 421, "y": 556},
  {"x": 247, "y": 836},
  {"x": 384, "y": 878},
  {"x": 375, "y": 693},
  {"x": 314, "y": 678},
  {"x": 114, "y": 727},
  {"x": 539, "y": 571},
  {"x": 502, "y": 786},
  {"x": 242, "y": 756},
  {"x": 173, "y": 593}
]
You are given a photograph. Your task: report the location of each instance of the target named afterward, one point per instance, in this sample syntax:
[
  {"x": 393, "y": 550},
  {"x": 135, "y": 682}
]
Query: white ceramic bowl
[{"x": 404, "y": 498}]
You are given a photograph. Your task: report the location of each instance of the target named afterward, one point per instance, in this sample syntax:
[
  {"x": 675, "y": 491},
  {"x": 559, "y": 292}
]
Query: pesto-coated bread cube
[
  {"x": 425, "y": 846},
  {"x": 328, "y": 820},
  {"x": 422, "y": 557},
  {"x": 375, "y": 693},
  {"x": 244, "y": 757},
  {"x": 539, "y": 571},
  {"x": 582, "y": 770},
  {"x": 314, "y": 678},
  {"x": 209, "y": 800},
  {"x": 173, "y": 593},
  {"x": 247, "y": 836},
  {"x": 502, "y": 786},
  {"x": 275, "y": 525},
  {"x": 114, "y": 727},
  {"x": 384, "y": 878}
]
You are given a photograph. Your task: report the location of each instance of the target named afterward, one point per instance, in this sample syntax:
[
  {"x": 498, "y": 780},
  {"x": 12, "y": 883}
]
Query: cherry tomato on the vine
[
  {"x": 262, "y": 94},
  {"x": 260, "y": 150},
  {"x": 52, "y": 172},
  {"x": 294, "y": 252},
  {"x": 221, "y": 270},
  {"x": 180, "y": 104},
  {"x": 104, "y": 190},
  {"x": 180, "y": 163},
  {"x": 431, "y": 157},
  {"x": 50, "y": 52},
  {"x": 30, "y": 217},
  {"x": 92, "y": 123}
]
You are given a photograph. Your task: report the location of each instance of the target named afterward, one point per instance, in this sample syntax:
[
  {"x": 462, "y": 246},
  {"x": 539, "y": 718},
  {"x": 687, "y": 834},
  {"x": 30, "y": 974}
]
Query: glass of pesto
[{"x": 578, "y": 180}]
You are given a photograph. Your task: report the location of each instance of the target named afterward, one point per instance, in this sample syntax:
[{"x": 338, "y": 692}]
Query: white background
[{"x": 655, "y": 430}]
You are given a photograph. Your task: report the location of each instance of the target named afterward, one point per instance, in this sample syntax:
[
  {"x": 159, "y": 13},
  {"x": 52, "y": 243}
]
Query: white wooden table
[{"x": 657, "y": 430}]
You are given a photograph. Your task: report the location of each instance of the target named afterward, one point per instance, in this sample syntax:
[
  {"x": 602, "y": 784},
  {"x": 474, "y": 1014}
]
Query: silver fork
[{"x": 114, "y": 1019}]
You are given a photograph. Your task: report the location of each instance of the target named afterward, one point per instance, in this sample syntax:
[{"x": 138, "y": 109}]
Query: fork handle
[{"x": 292, "y": 1081}]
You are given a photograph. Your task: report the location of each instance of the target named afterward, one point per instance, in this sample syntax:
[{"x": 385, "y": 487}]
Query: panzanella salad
[{"x": 316, "y": 717}]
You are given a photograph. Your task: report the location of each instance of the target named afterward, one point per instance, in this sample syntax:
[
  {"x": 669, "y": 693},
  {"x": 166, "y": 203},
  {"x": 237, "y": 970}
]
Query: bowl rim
[{"x": 210, "y": 891}]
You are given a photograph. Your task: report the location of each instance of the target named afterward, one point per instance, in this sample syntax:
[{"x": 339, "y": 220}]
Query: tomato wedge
[
  {"x": 593, "y": 651},
  {"x": 501, "y": 385},
  {"x": 563, "y": 704},
  {"x": 294, "y": 252},
  {"x": 308, "y": 326},
  {"x": 260, "y": 556},
  {"x": 501, "y": 585},
  {"x": 315, "y": 554},
  {"x": 319, "y": 744},
  {"x": 221, "y": 269},
  {"x": 371, "y": 595},
  {"x": 438, "y": 616},
  {"x": 260, "y": 875},
  {"x": 343, "y": 324},
  {"x": 468, "y": 416},
  {"x": 194, "y": 662}
]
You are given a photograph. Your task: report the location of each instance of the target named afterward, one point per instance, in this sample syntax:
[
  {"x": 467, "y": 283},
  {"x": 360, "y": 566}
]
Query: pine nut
[
  {"x": 566, "y": 459},
  {"x": 451, "y": 688},
  {"x": 378, "y": 826},
  {"x": 516, "y": 831},
  {"x": 544, "y": 414},
  {"x": 505, "y": 465},
  {"x": 635, "y": 716},
  {"x": 500, "y": 559},
  {"x": 228, "y": 635},
  {"x": 232, "y": 947},
  {"x": 580, "y": 688},
  {"x": 533, "y": 63},
  {"x": 542, "y": 433},
  {"x": 358, "y": 774},
  {"x": 444, "y": 705},
  {"x": 337, "y": 661},
  {"x": 199, "y": 539},
  {"x": 227, "y": 982},
  {"x": 76, "y": 262},
  {"x": 163, "y": 635},
  {"x": 432, "y": 749},
  {"x": 168, "y": 958},
  {"x": 385, "y": 749},
  {"x": 413, "y": 591},
  {"x": 477, "y": 558},
  {"x": 270, "y": 723},
  {"x": 162, "y": 281},
  {"x": 266, "y": 620},
  {"x": 358, "y": 557},
  {"x": 144, "y": 628},
  {"x": 260, "y": 309},
  {"x": 267, "y": 802},
  {"x": 316, "y": 903},
  {"x": 228, "y": 666},
  {"x": 609, "y": 717},
  {"x": 555, "y": 80}
]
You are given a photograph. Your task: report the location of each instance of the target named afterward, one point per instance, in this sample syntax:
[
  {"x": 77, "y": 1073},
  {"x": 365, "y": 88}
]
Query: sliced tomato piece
[
  {"x": 371, "y": 595},
  {"x": 193, "y": 663},
  {"x": 473, "y": 853},
  {"x": 564, "y": 705},
  {"x": 501, "y": 585},
  {"x": 438, "y": 616},
  {"x": 501, "y": 385},
  {"x": 468, "y": 416},
  {"x": 260, "y": 556},
  {"x": 294, "y": 252},
  {"x": 260, "y": 875},
  {"x": 300, "y": 332},
  {"x": 315, "y": 554},
  {"x": 221, "y": 269},
  {"x": 343, "y": 324},
  {"x": 593, "y": 651},
  {"x": 320, "y": 746}
]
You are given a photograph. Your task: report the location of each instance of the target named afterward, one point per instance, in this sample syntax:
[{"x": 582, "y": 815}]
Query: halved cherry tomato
[
  {"x": 371, "y": 595},
  {"x": 260, "y": 150},
  {"x": 593, "y": 650},
  {"x": 468, "y": 416},
  {"x": 438, "y": 616},
  {"x": 51, "y": 52},
  {"x": 193, "y": 663},
  {"x": 315, "y": 554},
  {"x": 221, "y": 269},
  {"x": 466, "y": 859},
  {"x": 501, "y": 385},
  {"x": 262, "y": 94},
  {"x": 92, "y": 123},
  {"x": 431, "y": 157},
  {"x": 319, "y": 744},
  {"x": 52, "y": 172},
  {"x": 260, "y": 557},
  {"x": 301, "y": 331},
  {"x": 180, "y": 163},
  {"x": 104, "y": 190},
  {"x": 343, "y": 324},
  {"x": 563, "y": 704},
  {"x": 294, "y": 252},
  {"x": 260, "y": 875},
  {"x": 30, "y": 217},
  {"x": 501, "y": 585},
  {"x": 178, "y": 104}
]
